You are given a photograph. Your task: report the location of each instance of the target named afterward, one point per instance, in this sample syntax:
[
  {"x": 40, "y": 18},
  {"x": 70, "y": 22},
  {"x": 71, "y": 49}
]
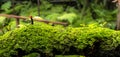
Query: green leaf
[{"x": 6, "y": 6}]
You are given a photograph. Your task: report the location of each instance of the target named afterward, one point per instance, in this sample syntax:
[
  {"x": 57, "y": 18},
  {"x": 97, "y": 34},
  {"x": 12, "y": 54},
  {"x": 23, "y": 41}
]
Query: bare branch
[{"x": 35, "y": 19}]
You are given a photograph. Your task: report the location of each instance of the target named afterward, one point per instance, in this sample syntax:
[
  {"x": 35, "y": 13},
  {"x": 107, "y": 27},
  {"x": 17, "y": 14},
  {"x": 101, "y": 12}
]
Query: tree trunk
[{"x": 118, "y": 19}]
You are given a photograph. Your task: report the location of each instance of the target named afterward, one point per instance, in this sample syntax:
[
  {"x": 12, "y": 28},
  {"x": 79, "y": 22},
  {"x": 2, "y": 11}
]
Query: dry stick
[
  {"x": 46, "y": 21},
  {"x": 32, "y": 22},
  {"x": 35, "y": 19},
  {"x": 14, "y": 16},
  {"x": 17, "y": 22},
  {"x": 38, "y": 2}
]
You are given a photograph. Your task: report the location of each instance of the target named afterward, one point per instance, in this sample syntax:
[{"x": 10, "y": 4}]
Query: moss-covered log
[{"x": 50, "y": 40}]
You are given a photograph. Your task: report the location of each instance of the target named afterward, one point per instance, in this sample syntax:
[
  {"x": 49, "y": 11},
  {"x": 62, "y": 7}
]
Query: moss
[{"x": 45, "y": 38}]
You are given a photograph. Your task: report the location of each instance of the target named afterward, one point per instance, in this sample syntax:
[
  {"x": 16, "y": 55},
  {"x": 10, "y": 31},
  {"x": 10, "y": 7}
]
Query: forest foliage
[{"x": 75, "y": 13}]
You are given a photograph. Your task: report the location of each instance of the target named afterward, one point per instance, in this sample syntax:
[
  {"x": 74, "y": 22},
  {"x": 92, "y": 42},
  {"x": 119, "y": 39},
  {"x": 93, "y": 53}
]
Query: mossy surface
[{"x": 44, "y": 38}]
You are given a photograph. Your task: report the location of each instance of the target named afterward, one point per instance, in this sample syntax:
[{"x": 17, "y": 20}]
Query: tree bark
[{"x": 118, "y": 19}]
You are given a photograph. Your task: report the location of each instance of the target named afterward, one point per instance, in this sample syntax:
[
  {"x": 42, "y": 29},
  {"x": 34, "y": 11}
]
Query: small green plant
[
  {"x": 6, "y": 6},
  {"x": 70, "y": 17}
]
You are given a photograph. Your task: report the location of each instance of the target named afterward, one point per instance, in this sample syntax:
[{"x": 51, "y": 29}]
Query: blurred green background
[{"x": 75, "y": 12}]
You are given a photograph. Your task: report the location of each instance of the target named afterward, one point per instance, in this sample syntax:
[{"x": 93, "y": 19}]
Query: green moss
[{"x": 44, "y": 38}]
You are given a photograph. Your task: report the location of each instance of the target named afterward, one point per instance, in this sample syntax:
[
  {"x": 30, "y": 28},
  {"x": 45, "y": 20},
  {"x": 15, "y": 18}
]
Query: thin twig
[{"x": 35, "y": 19}]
